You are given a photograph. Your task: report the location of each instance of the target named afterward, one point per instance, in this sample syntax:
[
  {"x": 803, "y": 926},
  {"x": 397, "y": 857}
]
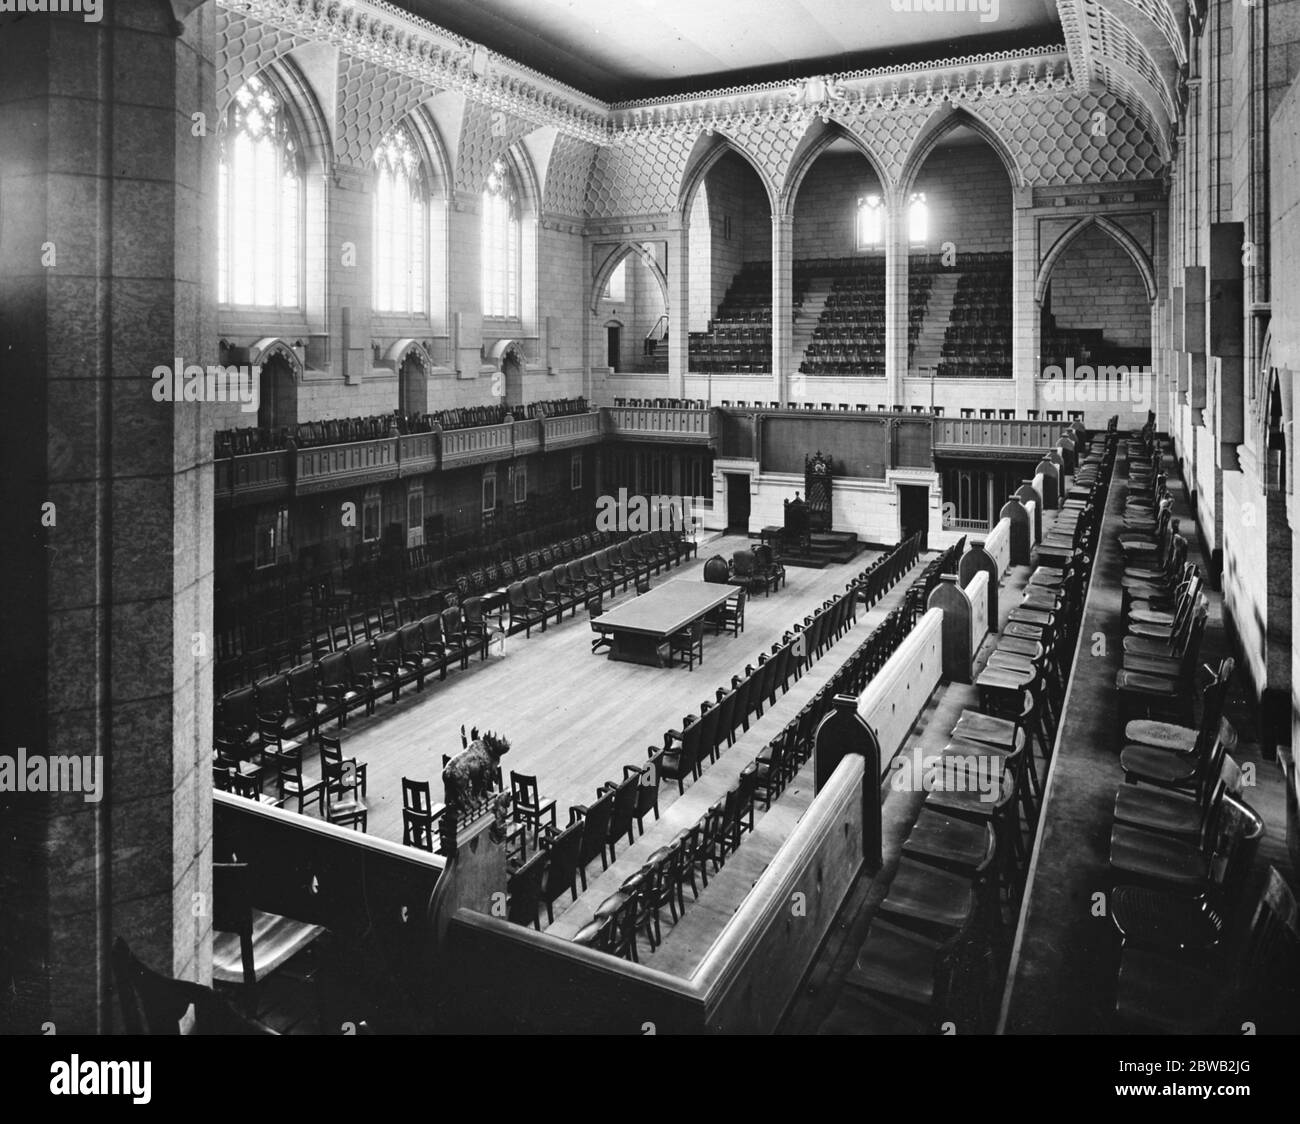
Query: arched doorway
[
  {"x": 413, "y": 386},
  {"x": 512, "y": 368},
  {"x": 277, "y": 406}
]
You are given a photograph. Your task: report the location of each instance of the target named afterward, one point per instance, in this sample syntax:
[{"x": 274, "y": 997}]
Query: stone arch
[
  {"x": 942, "y": 122},
  {"x": 1118, "y": 233},
  {"x": 508, "y": 356},
  {"x": 708, "y": 150},
  {"x": 814, "y": 142},
  {"x": 607, "y": 267},
  {"x": 428, "y": 137},
  {"x": 309, "y": 121},
  {"x": 270, "y": 346}
]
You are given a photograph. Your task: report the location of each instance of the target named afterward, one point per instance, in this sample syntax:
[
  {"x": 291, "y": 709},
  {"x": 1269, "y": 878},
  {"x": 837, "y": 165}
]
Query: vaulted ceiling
[{"x": 631, "y": 49}]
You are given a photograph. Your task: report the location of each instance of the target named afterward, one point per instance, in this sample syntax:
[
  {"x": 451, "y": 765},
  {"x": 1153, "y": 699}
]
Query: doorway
[
  {"x": 277, "y": 406},
  {"x": 613, "y": 346},
  {"x": 913, "y": 510},
  {"x": 737, "y": 502}
]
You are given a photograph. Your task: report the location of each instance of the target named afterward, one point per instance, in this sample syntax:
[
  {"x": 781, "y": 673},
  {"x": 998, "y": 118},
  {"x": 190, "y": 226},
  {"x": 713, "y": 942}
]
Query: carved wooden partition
[
  {"x": 842, "y": 733},
  {"x": 1051, "y": 483},
  {"x": 949, "y": 596},
  {"x": 1020, "y": 531},
  {"x": 977, "y": 560}
]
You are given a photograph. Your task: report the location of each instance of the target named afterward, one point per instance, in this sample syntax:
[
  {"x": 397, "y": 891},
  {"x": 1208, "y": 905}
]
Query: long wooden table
[{"x": 639, "y": 629}]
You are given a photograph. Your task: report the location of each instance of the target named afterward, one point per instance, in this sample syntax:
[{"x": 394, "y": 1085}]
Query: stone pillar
[
  {"x": 107, "y": 272},
  {"x": 679, "y": 306},
  {"x": 1026, "y": 320},
  {"x": 782, "y": 304},
  {"x": 896, "y": 300}
]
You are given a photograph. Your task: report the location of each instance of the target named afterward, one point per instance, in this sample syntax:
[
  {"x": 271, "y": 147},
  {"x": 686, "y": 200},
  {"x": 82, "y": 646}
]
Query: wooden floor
[
  {"x": 686, "y": 943},
  {"x": 573, "y": 719}
]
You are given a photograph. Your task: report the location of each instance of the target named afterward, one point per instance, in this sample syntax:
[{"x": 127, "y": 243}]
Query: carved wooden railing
[
  {"x": 358, "y": 462},
  {"x": 650, "y": 424},
  {"x": 571, "y": 430},
  {"x": 995, "y": 436}
]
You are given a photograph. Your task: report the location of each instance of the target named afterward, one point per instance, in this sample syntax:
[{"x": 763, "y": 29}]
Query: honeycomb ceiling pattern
[
  {"x": 1070, "y": 140},
  {"x": 641, "y": 174},
  {"x": 485, "y": 135},
  {"x": 370, "y": 103},
  {"x": 245, "y": 47},
  {"x": 1053, "y": 136},
  {"x": 567, "y": 175}
]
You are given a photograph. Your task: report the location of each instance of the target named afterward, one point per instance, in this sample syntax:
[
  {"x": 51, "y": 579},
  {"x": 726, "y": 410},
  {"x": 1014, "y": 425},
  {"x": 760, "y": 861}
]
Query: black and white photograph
[{"x": 609, "y": 518}]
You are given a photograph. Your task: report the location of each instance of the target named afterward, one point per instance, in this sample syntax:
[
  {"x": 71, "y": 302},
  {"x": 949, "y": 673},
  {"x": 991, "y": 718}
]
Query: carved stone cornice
[{"x": 882, "y": 90}]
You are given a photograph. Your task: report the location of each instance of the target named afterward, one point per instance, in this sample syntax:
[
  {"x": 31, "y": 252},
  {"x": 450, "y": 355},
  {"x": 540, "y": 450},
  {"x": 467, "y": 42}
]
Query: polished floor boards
[{"x": 573, "y": 719}]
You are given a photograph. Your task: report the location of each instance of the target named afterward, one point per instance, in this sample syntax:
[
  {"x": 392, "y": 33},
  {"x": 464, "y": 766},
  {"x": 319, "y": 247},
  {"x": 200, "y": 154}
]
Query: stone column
[
  {"x": 1026, "y": 320},
  {"x": 679, "y": 306},
  {"x": 782, "y": 304},
  {"x": 107, "y": 272},
  {"x": 896, "y": 300}
]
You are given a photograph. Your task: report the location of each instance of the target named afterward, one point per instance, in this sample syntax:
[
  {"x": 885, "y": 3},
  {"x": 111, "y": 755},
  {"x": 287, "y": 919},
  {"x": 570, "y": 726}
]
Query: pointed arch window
[
  {"x": 259, "y": 202},
  {"x": 871, "y": 221},
  {"x": 401, "y": 227},
  {"x": 500, "y": 243},
  {"x": 616, "y": 283},
  {"x": 918, "y": 218}
]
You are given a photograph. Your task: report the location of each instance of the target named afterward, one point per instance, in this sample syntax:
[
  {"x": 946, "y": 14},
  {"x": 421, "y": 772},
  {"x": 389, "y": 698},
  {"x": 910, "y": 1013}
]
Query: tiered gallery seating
[
  {"x": 739, "y": 338},
  {"x": 850, "y": 335},
  {"x": 977, "y": 342}
]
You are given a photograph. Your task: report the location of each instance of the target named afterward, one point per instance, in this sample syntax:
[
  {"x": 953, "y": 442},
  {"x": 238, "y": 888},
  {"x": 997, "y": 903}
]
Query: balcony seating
[
  {"x": 595, "y": 820},
  {"x": 248, "y": 945},
  {"x": 419, "y": 818}
]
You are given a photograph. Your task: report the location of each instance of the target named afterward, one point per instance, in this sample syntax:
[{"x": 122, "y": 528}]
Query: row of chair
[
  {"x": 705, "y": 846},
  {"x": 936, "y": 928},
  {"x": 1183, "y": 839}
]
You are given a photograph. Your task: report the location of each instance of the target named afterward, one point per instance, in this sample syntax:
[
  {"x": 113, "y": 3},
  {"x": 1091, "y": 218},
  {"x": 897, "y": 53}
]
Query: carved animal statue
[{"x": 469, "y": 776}]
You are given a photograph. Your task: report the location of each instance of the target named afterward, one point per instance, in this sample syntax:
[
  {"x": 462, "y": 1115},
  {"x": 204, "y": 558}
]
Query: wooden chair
[
  {"x": 524, "y": 888},
  {"x": 564, "y": 849},
  {"x": 418, "y": 816},
  {"x": 528, "y": 806},
  {"x": 1155, "y": 992},
  {"x": 595, "y": 819},
  {"x": 248, "y": 945},
  {"x": 689, "y": 643}
]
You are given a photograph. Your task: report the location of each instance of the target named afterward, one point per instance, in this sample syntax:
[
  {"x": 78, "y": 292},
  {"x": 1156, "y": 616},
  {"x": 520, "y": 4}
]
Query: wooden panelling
[
  {"x": 257, "y": 478},
  {"x": 966, "y": 436},
  {"x": 354, "y": 464},
  {"x": 570, "y": 431},
  {"x": 479, "y": 445},
  {"x": 527, "y": 436},
  {"x": 861, "y": 446},
  {"x": 646, "y": 424},
  {"x": 417, "y": 453},
  {"x": 895, "y": 698}
]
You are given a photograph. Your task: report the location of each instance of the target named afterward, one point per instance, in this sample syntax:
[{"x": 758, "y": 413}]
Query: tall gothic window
[
  {"x": 500, "y": 248},
  {"x": 871, "y": 221},
  {"x": 259, "y": 202},
  {"x": 401, "y": 227},
  {"x": 918, "y": 218}
]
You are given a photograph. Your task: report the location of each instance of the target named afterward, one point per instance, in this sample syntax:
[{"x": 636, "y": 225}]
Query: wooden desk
[{"x": 639, "y": 629}]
